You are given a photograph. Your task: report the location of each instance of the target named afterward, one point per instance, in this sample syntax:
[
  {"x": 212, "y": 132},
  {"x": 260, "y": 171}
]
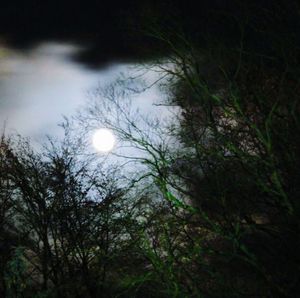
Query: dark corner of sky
[
  {"x": 110, "y": 31},
  {"x": 114, "y": 31}
]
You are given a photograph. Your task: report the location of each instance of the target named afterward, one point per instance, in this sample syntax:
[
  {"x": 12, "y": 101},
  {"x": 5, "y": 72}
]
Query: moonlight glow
[{"x": 103, "y": 140}]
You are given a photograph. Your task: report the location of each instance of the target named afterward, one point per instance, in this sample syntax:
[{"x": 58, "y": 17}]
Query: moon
[{"x": 103, "y": 140}]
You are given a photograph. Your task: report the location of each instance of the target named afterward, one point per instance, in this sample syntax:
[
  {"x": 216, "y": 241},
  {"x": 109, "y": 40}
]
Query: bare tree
[{"x": 67, "y": 209}]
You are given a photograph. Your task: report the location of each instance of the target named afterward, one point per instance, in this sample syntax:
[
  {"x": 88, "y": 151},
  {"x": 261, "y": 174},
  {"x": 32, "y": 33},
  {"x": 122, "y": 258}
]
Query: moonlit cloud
[
  {"x": 37, "y": 87},
  {"x": 40, "y": 86}
]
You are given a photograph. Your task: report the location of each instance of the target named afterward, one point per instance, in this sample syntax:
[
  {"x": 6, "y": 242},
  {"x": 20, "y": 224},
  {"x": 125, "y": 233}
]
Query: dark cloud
[
  {"x": 103, "y": 26},
  {"x": 113, "y": 30}
]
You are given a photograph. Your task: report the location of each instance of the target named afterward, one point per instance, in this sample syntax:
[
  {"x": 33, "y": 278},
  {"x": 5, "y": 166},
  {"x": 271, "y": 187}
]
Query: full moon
[{"x": 103, "y": 140}]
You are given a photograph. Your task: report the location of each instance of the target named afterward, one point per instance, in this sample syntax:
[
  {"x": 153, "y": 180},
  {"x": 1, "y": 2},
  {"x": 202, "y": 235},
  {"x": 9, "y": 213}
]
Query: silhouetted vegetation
[{"x": 212, "y": 206}]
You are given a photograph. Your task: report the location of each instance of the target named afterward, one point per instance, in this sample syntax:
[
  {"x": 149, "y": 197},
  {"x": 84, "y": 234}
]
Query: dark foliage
[{"x": 217, "y": 215}]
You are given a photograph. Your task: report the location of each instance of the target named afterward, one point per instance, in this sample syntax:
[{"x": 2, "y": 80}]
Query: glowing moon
[{"x": 103, "y": 140}]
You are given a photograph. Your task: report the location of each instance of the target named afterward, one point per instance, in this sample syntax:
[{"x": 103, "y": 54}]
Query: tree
[
  {"x": 231, "y": 176},
  {"x": 8, "y": 235},
  {"x": 66, "y": 212},
  {"x": 239, "y": 105}
]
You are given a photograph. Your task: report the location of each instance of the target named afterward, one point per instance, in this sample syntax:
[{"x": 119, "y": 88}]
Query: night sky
[
  {"x": 52, "y": 53},
  {"x": 115, "y": 30},
  {"x": 105, "y": 26}
]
